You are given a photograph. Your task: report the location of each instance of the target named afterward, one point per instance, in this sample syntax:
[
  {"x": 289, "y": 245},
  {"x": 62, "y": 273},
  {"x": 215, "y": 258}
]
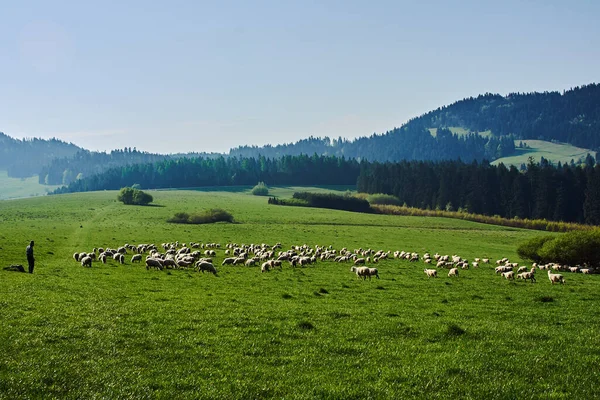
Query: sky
[{"x": 195, "y": 76}]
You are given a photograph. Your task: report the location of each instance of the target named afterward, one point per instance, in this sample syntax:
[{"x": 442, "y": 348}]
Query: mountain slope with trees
[
  {"x": 571, "y": 117},
  {"x": 25, "y": 158}
]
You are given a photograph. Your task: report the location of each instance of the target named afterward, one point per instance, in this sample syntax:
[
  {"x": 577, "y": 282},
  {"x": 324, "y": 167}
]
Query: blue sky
[{"x": 183, "y": 76}]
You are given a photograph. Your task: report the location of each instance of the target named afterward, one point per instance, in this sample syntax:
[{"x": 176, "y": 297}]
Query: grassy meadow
[
  {"x": 121, "y": 331},
  {"x": 554, "y": 152},
  {"x": 12, "y": 188}
]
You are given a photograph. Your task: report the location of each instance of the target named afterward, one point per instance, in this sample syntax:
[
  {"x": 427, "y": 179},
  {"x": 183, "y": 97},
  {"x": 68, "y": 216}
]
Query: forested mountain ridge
[
  {"x": 24, "y": 158},
  {"x": 571, "y": 117}
]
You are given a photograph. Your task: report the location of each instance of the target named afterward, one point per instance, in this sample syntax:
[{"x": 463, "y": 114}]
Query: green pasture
[
  {"x": 457, "y": 130},
  {"x": 554, "y": 152},
  {"x": 121, "y": 331},
  {"x": 12, "y": 188}
]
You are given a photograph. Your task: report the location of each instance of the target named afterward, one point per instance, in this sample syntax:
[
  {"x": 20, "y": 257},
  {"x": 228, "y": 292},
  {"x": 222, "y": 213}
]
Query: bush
[
  {"x": 133, "y": 196},
  {"x": 573, "y": 248},
  {"x": 530, "y": 249},
  {"x": 207, "y": 217},
  {"x": 260, "y": 190},
  {"x": 386, "y": 199}
]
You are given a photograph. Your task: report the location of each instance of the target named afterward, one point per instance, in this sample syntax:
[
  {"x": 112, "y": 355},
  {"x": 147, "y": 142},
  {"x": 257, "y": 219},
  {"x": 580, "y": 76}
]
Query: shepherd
[{"x": 30, "y": 258}]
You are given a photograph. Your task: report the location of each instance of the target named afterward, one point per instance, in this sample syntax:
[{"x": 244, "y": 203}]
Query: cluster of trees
[
  {"x": 205, "y": 217},
  {"x": 221, "y": 171},
  {"x": 563, "y": 193},
  {"x": 133, "y": 196},
  {"x": 573, "y": 248},
  {"x": 25, "y": 158},
  {"x": 260, "y": 189},
  {"x": 325, "y": 200},
  {"x": 63, "y": 171},
  {"x": 410, "y": 142},
  {"x": 571, "y": 117}
]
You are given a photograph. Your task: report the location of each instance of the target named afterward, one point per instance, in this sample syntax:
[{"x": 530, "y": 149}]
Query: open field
[
  {"x": 460, "y": 131},
  {"x": 553, "y": 152},
  {"x": 121, "y": 331},
  {"x": 12, "y": 188}
]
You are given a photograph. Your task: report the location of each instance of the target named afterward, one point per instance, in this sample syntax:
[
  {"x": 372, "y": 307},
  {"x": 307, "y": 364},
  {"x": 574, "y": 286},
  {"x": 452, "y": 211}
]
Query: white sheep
[
  {"x": 154, "y": 263},
  {"x": 431, "y": 273},
  {"x": 206, "y": 266},
  {"x": 361, "y": 272},
  {"x": 453, "y": 272},
  {"x": 136, "y": 258},
  {"x": 509, "y": 275},
  {"x": 373, "y": 272},
  {"x": 556, "y": 278}
]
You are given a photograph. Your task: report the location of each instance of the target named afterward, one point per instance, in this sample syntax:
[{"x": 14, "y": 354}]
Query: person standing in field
[{"x": 30, "y": 258}]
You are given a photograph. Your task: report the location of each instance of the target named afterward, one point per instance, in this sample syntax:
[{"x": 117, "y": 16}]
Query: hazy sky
[{"x": 179, "y": 76}]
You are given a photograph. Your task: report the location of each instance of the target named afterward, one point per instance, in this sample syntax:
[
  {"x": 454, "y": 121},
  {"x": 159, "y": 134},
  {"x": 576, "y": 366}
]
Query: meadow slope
[{"x": 121, "y": 331}]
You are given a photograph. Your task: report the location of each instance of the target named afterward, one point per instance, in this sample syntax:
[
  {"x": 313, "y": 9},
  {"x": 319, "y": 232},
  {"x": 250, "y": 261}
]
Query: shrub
[
  {"x": 386, "y": 199},
  {"x": 530, "y": 249},
  {"x": 207, "y": 217},
  {"x": 260, "y": 190},
  {"x": 573, "y": 248},
  {"x": 133, "y": 196}
]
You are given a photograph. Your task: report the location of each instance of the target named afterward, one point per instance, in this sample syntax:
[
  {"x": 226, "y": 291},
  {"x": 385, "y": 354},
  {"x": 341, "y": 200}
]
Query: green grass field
[
  {"x": 460, "y": 131},
  {"x": 121, "y": 331},
  {"x": 553, "y": 152},
  {"x": 12, "y": 188}
]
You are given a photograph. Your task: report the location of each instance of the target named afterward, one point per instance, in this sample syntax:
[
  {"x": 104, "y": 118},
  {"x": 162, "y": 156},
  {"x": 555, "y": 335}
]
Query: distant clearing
[
  {"x": 460, "y": 131},
  {"x": 553, "y": 152},
  {"x": 13, "y": 188}
]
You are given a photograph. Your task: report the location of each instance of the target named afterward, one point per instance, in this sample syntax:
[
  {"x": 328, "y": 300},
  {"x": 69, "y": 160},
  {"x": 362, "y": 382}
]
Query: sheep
[
  {"x": 184, "y": 263},
  {"x": 361, "y": 272},
  {"x": 154, "y": 263},
  {"x": 373, "y": 272},
  {"x": 585, "y": 271},
  {"x": 206, "y": 266},
  {"x": 249, "y": 262},
  {"x": 121, "y": 258},
  {"x": 521, "y": 269},
  {"x": 431, "y": 273},
  {"x": 509, "y": 275},
  {"x": 556, "y": 278},
  {"x": 76, "y": 257},
  {"x": 136, "y": 257},
  {"x": 527, "y": 275},
  {"x": 228, "y": 260},
  {"x": 265, "y": 267},
  {"x": 102, "y": 257},
  {"x": 453, "y": 272},
  {"x": 169, "y": 262},
  {"x": 475, "y": 264},
  {"x": 86, "y": 261},
  {"x": 359, "y": 261}
]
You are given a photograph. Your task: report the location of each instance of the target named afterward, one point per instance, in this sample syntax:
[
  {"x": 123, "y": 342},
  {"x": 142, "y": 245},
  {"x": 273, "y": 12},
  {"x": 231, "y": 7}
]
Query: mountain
[
  {"x": 571, "y": 117},
  {"x": 25, "y": 158}
]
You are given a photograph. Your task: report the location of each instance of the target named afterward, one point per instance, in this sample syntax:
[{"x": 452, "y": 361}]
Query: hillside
[
  {"x": 24, "y": 158},
  {"x": 479, "y": 128},
  {"x": 553, "y": 152}
]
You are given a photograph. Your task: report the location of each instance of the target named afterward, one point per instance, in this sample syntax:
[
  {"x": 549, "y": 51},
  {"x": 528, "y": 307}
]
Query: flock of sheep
[{"x": 199, "y": 256}]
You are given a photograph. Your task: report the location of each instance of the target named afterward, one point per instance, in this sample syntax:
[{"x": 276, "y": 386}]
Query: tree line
[
  {"x": 559, "y": 193},
  {"x": 222, "y": 171},
  {"x": 411, "y": 142}
]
